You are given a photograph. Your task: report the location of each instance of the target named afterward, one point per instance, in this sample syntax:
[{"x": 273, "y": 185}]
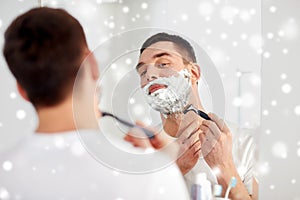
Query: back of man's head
[
  {"x": 181, "y": 43},
  {"x": 44, "y": 49}
]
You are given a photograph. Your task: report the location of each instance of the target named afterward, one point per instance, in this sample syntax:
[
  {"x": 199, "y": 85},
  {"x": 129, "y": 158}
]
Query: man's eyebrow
[
  {"x": 161, "y": 55},
  {"x": 140, "y": 64}
]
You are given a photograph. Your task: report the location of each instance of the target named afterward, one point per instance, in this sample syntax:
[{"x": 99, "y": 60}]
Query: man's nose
[{"x": 152, "y": 73}]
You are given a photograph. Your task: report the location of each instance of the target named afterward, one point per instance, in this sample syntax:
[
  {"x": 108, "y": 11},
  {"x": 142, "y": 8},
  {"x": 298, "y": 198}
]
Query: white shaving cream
[{"x": 174, "y": 97}]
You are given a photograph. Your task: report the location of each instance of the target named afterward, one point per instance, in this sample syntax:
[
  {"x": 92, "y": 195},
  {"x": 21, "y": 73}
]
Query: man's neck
[
  {"x": 58, "y": 118},
  {"x": 174, "y": 122}
]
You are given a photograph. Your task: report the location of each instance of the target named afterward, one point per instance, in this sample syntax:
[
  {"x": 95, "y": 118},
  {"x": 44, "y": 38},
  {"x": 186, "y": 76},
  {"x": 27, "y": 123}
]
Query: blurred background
[{"x": 247, "y": 41}]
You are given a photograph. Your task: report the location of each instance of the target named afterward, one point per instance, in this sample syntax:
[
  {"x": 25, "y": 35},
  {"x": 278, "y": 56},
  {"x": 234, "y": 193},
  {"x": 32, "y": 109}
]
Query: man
[
  {"x": 44, "y": 49},
  {"x": 231, "y": 150}
]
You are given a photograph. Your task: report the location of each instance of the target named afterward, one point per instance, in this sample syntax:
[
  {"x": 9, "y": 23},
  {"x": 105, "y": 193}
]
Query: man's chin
[{"x": 176, "y": 116}]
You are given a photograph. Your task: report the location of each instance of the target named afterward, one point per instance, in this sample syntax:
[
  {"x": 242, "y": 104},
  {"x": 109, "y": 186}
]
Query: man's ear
[
  {"x": 22, "y": 92},
  {"x": 94, "y": 66},
  {"x": 196, "y": 72}
]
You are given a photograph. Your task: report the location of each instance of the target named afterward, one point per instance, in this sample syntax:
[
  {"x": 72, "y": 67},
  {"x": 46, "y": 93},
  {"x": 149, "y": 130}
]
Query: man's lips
[{"x": 156, "y": 87}]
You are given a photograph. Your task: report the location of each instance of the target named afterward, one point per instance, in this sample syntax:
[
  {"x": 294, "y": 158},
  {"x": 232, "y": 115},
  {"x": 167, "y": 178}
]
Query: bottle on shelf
[{"x": 201, "y": 189}]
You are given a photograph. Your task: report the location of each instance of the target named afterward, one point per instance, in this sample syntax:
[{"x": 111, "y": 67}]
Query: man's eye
[
  {"x": 162, "y": 65},
  {"x": 143, "y": 73}
]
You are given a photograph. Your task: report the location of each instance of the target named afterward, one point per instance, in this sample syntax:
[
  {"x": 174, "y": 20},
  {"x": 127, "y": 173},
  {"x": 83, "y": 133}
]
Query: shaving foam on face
[{"x": 174, "y": 97}]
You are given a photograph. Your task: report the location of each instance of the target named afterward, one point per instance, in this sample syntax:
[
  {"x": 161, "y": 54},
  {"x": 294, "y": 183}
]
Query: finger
[
  {"x": 196, "y": 143},
  {"x": 196, "y": 146},
  {"x": 189, "y": 130},
  {"x": 127, "y": 138},
  {"x": 132, "y": 140},
  {"x": 197, "y": 152},
  {"x": 130, "y": 136},
  {"x": 189, "y": 142},
  {"x": 192, "y": 152},
  {"x": 161, "y": 139},
  {"x": 207, "y": 137},
  {"x": 191, "y": 145},
  {"x": 208, "y": 143},
  {"x": 202, "y": 137},
  {"x": 220, "y": 123},
  {"x": 194, "y": 136},
  {"x": 212, "y": 126},
  {"x": 138, "y": 142},
  {"x": 203, "y": 128}
]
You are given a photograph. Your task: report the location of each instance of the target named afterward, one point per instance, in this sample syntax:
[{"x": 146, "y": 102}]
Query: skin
[{"x": 168, "y": 55}]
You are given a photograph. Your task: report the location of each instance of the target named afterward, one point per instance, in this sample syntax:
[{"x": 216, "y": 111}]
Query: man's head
[
  {"x": 160, "y": 56},
  {"x": 169, "y": 73},
  {"x": 44, "y": 49},
  {"x": 166, "y": 51}
]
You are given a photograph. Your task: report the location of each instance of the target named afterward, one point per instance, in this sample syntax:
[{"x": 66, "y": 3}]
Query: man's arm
[{"x": 217, "y": 150}]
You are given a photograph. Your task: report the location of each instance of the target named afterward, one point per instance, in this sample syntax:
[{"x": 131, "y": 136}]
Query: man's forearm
[{"x": 239, "y": 192}]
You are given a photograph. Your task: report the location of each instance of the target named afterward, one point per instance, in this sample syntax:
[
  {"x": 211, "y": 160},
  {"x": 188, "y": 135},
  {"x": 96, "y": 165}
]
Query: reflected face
[
  {"x": 161, "y": 59},
  {"x": 165, "y": 77}
]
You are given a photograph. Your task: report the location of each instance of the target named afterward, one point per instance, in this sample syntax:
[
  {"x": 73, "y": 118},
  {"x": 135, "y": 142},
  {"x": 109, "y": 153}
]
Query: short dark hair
[
  {"x": 181, "y": 43},
  {"x": 44, "y": 49}
]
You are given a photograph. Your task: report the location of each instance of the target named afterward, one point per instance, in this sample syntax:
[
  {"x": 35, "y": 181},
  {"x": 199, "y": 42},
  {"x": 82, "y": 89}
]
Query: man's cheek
[{"x": 143, "y": 83}]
